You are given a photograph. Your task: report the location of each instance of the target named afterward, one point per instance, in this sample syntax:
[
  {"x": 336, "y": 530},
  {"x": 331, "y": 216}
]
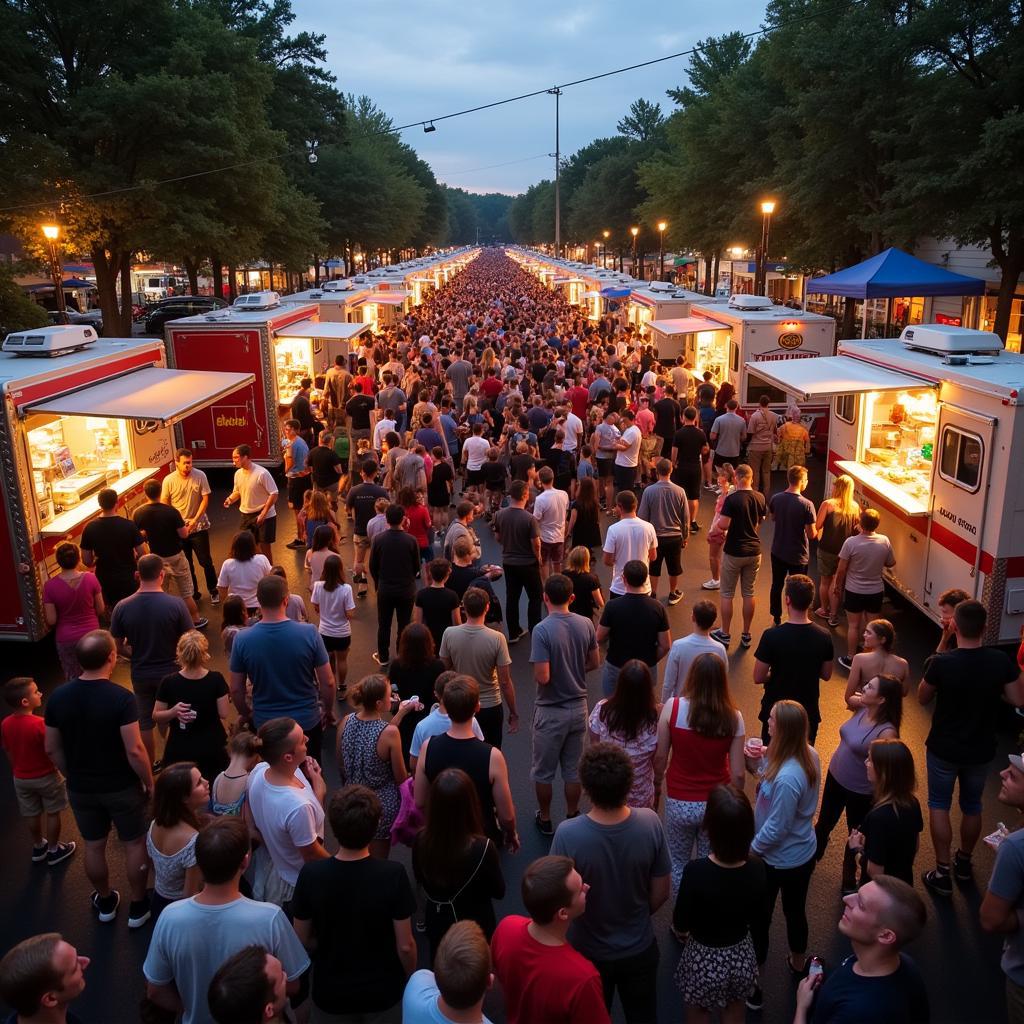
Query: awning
[
  {"x": 615, "y": 293},
  {"x": 385, "y": 298},
  {"x": 151, "y": 393},
  {"x": 591, "y": 295},
  {"x": 895, "y": 274},
  {"x": 686, "y": 325},
  {"x": 829, "y": 376},
  {"x": 329, "y": 331}
]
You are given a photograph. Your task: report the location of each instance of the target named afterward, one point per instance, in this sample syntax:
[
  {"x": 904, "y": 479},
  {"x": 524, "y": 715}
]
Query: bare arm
[
  {"x": 50, "y": 614},
  {"x": 659, "y": 892},
  {"x": 405, "y": 944},
  {"x": 508, "y": 692},
  {"x": 503, "y": 804},
  {"x": 925, "y": 693},
  {"x": 737, "y": 764},
  {"x": 131, "y": 737},
  {"x": 762, "y": 672},
  {"x": 54, "y": 748},
  {"x": 165, "y": 996},
  {"x": 421, "y": 785},
  {"x": 542, "y": 672},
  {"x": 389, "y": 748},
  {"x": 314, "y": 851},
  {"x": 840, "y": 582},
  {"x": 998, "y": 915},
  {"x": 325, "y": 681},
  {"x": 664, "y": 643},
  {"x": 238, "y": 695}
]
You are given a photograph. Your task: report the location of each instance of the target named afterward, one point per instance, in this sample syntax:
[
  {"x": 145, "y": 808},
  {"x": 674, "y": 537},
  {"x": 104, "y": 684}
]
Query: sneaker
[
  {"x": 62, "y": 852},
  {"x": 201, "y": 623},
  {"x": 940, "y": 882},
  {"x": 519, "y": 636},
  {"x": 833, "y": 622},
  {"x": 745, "y": 640},
  {"x": 962, "y": 870},
  {"x": 138, "y": 913},
  {"x": 755, "y": 1001},
  {"x": 845, "y": 662},
  {"x": 821, "y": 613},
  {"x": 675, "y": 597},
  {"x": 106, "y": 908},
  {"x": 721, "y": 636},
  {"x": 710, "y": 585},
  {"x": 544, "y": 825},
  {"x": 380, "y": 661},
  {"x": 694, "y": 527},
  {"x": 39, "y": 854},
  {"x": 215, "y": 597},
  {"x": 295, "y": 544},
  {"x": 711, "y": 488}
]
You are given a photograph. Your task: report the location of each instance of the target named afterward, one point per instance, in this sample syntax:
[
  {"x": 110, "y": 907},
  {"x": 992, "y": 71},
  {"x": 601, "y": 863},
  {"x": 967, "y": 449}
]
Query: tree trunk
[
  {"x": 191, "y": 266},
  {"x": 847, "y": 328},
  {"x": 1009, "y": 254},
  {"x": 125, "y": 330},
  {"x": 709, "y": 288},
  {"x": 106, "y": 266},
  {"x": 714, "y": 273},
  {"x": 232, "y": 283},
  {"x": 217, "y": 273},
  {"x": 316, "y": 271}
]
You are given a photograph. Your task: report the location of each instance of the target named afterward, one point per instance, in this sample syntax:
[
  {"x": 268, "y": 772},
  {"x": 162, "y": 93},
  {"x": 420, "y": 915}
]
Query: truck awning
[
  {"x": 686, "y": 325},
  {"x": 394, "y": 298},
  {"x": 151, "y": 393},
  {"x": 828, "y": 376},
  {"x": 328, "y": 331}
]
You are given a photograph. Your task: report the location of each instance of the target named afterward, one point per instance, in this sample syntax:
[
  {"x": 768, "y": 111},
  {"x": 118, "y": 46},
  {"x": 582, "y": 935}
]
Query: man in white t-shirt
[
  {"x": 256, "y": 493},
  {"x": 550, "y": 509},
  {"x": 573, "y": 427},
  {"x": 627, "y": 540},
  {"x": 474, "y": 455},
  {"x": 685, "y": 651},
  {"x": 627, "y": 455}
]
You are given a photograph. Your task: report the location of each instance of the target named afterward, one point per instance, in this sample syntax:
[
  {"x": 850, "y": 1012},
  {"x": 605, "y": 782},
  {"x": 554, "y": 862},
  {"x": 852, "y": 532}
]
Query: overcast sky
[{"x": 424, "y": 58}]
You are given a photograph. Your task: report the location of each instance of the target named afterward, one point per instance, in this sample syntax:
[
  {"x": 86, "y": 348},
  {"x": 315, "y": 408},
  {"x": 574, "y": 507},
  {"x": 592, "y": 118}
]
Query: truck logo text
[
  {"x": 790, "y": 340},
  {"x": 231, "y": 421},
  {"x": 958, "y": 521}
]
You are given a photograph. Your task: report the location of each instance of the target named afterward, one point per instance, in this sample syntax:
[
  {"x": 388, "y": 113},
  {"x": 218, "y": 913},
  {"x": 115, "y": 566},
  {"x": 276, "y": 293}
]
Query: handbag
[{"x": 409, "y": 819}]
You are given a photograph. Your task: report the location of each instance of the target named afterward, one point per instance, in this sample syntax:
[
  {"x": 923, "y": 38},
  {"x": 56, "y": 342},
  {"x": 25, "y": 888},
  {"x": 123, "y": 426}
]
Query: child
[
  {"x": 495, "y": 477},
  {"x": 227, "y": 794},
  {"x": 586, "y": 587},
  {"x": 317, "y": 509},
  {"x": 437, "y": 605},
  {"x": 439, "y": 489},
  {"x": 235, "y": 618},
  {"x": 38, "y": 785},
  {"x": 333, "y": 602},
  {"x": 324, "y": 544},
  {"x": 586, "y": 468},
  {"x": 379, "y": 522},
  {"x": 295, "y": 609},
  {"x": 303, "y": 517},
  {"x": 716, "y": 537},
  {"x": 343, "y": 449}
]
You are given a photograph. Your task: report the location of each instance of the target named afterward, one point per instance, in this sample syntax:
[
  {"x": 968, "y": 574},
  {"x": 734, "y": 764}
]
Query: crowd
[{"x": 496, "y": 401}]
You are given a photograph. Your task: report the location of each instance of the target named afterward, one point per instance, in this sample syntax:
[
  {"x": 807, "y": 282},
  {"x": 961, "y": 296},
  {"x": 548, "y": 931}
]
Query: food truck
[
  {"x": 660, "y": 300},
  {"x": 276, "y": 344},
  {"x": 926, "y": 426},
  {"x": 81, "y": 413}
]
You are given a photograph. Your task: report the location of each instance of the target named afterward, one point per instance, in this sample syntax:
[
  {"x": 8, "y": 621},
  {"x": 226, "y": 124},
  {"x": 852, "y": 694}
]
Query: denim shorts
[{"x": 943, "y": 775}]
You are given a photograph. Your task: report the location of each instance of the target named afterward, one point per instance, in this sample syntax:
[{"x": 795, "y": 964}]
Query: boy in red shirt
[
  {"x": 38, "y": 785},
  {"x": 543, "y": 977}
]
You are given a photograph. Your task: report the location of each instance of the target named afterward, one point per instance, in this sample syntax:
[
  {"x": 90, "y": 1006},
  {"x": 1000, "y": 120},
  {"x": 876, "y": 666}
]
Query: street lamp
[
  {"x": 634, "y": 232},
  {"x": 661, "y": 249},
  {"x": 607, "y": 235},
  {"x": 760, "y": 284},
  {"x": 51, "y": 232}
]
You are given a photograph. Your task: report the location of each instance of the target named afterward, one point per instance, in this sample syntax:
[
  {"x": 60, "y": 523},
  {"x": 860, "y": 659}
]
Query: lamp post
[
  {"x": 51, "y": 232},
  {"x": 661, "y": 249},
  {"x": 767, "y": 209},
  {"x": 607, "y": 235},
  {"x": 735, "y": 252},
  {"x": 634, "y": 232}
]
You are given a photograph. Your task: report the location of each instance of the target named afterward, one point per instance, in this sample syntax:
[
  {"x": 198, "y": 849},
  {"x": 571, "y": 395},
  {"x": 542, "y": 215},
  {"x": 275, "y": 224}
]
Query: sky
[{"x": 423, "y": 58}]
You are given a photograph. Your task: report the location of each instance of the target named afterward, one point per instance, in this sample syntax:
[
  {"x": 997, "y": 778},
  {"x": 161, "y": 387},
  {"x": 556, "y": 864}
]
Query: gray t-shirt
[
  {"x": 563, "y": 639},
  {"x": 868, "y": 555},
  {"x": 517, "y": 528},
  {"x": 477, "y": 651},
  {"x": 151, "y": 622},
  {"x": 605, "y": 434},
  {"x": 191, "y": 940},
  {"x": 662, "y": 505},
  {"x": 185, "y": 493},
  {"x": 459, "y": 374},
  {"x": 618, "y": 862},
  {"x": 792, "y": 514},
  {"x": 1007, "y": 882},
  {"x": 729, "y": 429}
]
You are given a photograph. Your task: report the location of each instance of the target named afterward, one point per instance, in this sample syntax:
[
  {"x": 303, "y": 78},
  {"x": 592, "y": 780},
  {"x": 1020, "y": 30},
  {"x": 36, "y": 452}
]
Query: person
[
  {"x": 629, "y": 717},
  {"x": 414, "y": 670},
  {"x": 92, "y": 736},
  {"x": 361, "y": 502},
  {"x": 550, "y": 509},
  {"x": 460, "y": 747},
  {"x": 370, "y": 752},
  {"x": 242, "y": 571},
  {"x": 630, "y": 539},
  {"x": 193, "y": 704},
  {"x": 73, "y": 603},
  {"x": 358, "y": 410},
  {"x": 1004, "y": 898},
  {"x": 147, "y": 625},
  {"x": 518, "y": 533},
  {"x": 437, "y": 605},
  {"x": 635, "y": 626},
  {"x": 112, "y": 543},
  {"x": 288, "y": 666},
  {"x": 877, "y": 659},
  {"x": 584, "y": 528},
  {"x": 455, "y": 989},
  {"x": 847, "y": 786},
  {"x": 623, "y": 851},
  {"x": 740, "y": 519},
  {"x": 338, "y": 389},
  {"x": 948, "y": 600},
  {"x": 454, "y": 862},
  {"x": 543, "y": 976},
  {"x": 302, "y": 410},
  {"x": 228, "y": 789},
  {"x": 878, "y": 982},
  {"x": 285, "y": 794},
  {"x": 888, "y": 837},
  {"x": 606, "y": 436},
  {"x": 968, "y": 685},
  {"x": 789, "y": 774},
  {"x": 298, "y": 478},
  {"x": 862, "y": 561},
  {"x": 256, "y": 493},
  {"x": 464, "y": 513},
  {"x": 564, "y": 649},
  {"x": 353, "y": 911},
  {"x": 587, "y": 596},
  {"x": 727, "y": 434},
  {"x": 663, "y": 505},
  {"x": 323, "y": 544},
  {"x": 792, "y": 658},
  {"x": 394, "y": 565},
  {"x": 333, "y": 602},
  {"x": 718, "y": 897},
  {"x": 476, "y": 650},
  {"x": 40, "y": 977},
  {"x": 627, "y": 453},
  {"x": 689, "y": 447},
  {"x": 794, "y": 518},
  {"x": 762, "y": 434},
  {"x": 234, "y": 618},
  {"x": 38, "y": 785},
  {"x": 699, "y": 746},
  {"x": 726, "y": 477},
  {"x": 188, "y": 491},
  {"x": 794, "y": 441},
  {"x": 474, "y": 453},
  {"x": 327, "y": 468},
  {"x": 195, "y": 936},
  {"x": 250, "y": 987},
  {"x": 838, "y": 519},
  {"x": 440, "y": 488},
  {"x": 686, "y": 650},
  {"x": 435, "y": 722},
  {"x": 180, "y": 796}
]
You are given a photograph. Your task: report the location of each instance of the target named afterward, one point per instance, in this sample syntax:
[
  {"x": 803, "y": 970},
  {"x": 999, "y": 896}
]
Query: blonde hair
[
  {"x": 193, "y": 650},
  {"x": 790, "y": 740},
  {"x": 579, "y": 559},
  {"x": 319, "y": 507},
  {"x": 842, "y": 495}
]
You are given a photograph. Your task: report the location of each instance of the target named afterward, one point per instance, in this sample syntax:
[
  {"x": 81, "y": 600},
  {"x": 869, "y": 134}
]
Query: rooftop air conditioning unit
[
  {"x": 258, "y": 300},
  {"x": 661, "y": 286},
  {"x": 50, "y": 341},
  {"x": 951, "y": 342},
  {"x": 337, "y": 286},
  {"x": 750, "y": 302}
]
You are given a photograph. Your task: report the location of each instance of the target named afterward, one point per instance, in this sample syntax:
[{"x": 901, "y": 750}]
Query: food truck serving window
[
  {"x": 758, "y": 386},
  {"x": 960, "y": 459},
  {"x": 846, "y": 408}
]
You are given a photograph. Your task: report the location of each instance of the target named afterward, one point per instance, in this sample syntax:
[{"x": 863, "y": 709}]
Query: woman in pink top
[
  {"x": 73, "y": 603},
  {"x": 703, "y": 732}
]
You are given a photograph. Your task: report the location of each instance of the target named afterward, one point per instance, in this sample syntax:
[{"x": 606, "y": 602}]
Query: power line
[
  {"x": 812, "y": 16},
  {"x": 488, "y": 167}
]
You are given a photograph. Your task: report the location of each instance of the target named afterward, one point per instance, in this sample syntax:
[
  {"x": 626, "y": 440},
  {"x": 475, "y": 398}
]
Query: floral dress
[
  {"x": 794, "y": 446},
  {"x": 361, "y": 765},
  {"x": 641, "y": 752}
]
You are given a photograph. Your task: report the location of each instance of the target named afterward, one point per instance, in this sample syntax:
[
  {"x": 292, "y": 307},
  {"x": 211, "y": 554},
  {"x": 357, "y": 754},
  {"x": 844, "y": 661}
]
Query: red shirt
[
  {"x": 366, "y": 382},
  {"x": 419, "y": 524},
  {"x": 553, "y": 984},
  {"x": 491, "y": 387},
  {"x": 22, "y": 738},
  {"x": 580, "y": 399}
]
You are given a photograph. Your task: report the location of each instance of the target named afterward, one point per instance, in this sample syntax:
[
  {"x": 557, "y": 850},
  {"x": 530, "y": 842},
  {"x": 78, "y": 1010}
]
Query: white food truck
[{"x": 927, "y": 427}]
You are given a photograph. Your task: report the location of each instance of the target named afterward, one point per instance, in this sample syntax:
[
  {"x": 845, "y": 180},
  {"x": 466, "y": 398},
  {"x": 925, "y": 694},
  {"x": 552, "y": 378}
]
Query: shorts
[
  {"x": 126, "y": 809},
  {"x": 427, "y": 554},
  {"x": 863, "y": 602},
  {"x": 360, "y": 545},
  {"x": 297, "y": 487},
  {"x": 558, "y": 734},
  {"x": 689, "y": 478},
  {"x": 47, "y": 793},
  {"x": 742, "y": 569},
  {"x": 650, "y": 447},
  {"x": 828, "y": 563},
  {"x": 176, "y": 568},
  {"x": 942, "y": 775},
  {"x": 721, "y": 460},
  {"x": 553, "y": 552},
  {"x": 265, "y": 532},
  {"x": 145, "y": 698},
  {"x": 474, "y": 477},
  {"x": 336, "y": 643},
  {"x": 624, "y": 478},
  {"x": 670, "y": 551},
  {"x": 604, "y": 467}
]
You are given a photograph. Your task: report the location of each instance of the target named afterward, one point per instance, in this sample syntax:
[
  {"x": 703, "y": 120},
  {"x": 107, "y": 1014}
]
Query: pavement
[{"x": 959, "y": 962}]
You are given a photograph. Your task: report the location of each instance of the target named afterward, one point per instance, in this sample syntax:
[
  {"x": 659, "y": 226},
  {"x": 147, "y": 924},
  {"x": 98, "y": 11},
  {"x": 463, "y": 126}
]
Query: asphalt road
[{"x": 960, "y": 963}]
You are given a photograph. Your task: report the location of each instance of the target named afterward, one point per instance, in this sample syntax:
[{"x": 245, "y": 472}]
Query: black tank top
[{"x": 473, "y": 756}]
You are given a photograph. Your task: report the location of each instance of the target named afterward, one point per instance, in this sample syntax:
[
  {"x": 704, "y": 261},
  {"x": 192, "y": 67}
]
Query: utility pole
[{"x": 558, "y": 212}]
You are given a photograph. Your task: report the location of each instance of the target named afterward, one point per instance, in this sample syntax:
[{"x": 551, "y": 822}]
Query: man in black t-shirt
[
  {"x": 437, "y": 605},
  {"x": 666, "y": 419},
  {"x": 792, "y": 658},
  {"x": 689, "y": 446},
  {"x": 112, "y": 543},
  {"x": 360, "y": 502},
  {"x": 325, "y": 467},
  {"x": 358, "y": 409},
  {"x": 519, "y": 536}
]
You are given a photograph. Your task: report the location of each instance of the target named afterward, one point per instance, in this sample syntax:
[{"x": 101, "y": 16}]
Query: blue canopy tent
[
  {"x": 615, "y": 293},
  {"x": 893, "y": 274}
]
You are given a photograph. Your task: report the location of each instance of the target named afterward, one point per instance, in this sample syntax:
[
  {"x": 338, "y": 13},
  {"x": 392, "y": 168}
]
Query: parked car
[
  {"x": 92, "y": 318},
  {"x": 178, "y": 306}
]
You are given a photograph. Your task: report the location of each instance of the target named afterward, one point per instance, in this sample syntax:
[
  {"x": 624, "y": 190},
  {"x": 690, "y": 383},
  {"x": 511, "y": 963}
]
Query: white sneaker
[{"x": 710, "y": 585}]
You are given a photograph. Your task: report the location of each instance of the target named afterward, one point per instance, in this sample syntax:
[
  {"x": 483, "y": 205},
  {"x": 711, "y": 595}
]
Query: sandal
[{"x": 821, "y": 613}]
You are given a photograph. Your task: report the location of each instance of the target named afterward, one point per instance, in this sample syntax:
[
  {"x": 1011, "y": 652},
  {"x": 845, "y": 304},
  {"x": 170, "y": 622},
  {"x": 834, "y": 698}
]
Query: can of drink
[
  {"x": 755, "y": 745},
  {"x": 816, "y": 968}
]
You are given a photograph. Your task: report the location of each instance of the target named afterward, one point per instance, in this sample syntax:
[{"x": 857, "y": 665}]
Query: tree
[
  {"x": 644, "y": 122},
  {"x": 17, "y": 311},
  {"x": 713, "y": 60}
]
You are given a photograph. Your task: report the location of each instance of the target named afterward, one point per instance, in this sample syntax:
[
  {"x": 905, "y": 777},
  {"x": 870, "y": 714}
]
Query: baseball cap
[{"x": 1017, "y": 761}]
